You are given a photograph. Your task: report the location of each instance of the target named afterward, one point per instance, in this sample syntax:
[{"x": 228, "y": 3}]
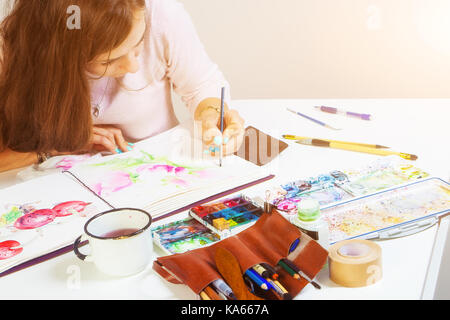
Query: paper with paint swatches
[{"x": 229, "y": 216}]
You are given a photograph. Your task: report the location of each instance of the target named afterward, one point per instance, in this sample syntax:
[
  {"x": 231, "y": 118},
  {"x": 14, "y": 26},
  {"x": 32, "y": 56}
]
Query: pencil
[
  {"x": 204, "y": 296},
  {"x": 342, "y": 146},
  {"x": 376, "y": 146},
  {"x": 212, "y": 294},
  {"x": 286, "y": 268},
  {"x": 222, "y": 113}
]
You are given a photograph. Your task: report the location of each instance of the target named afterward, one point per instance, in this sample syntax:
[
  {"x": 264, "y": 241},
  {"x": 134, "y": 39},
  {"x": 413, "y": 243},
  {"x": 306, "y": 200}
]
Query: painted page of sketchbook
[
  {"x": 42, "y": 215},
  {"x": 152, "y": 180}
]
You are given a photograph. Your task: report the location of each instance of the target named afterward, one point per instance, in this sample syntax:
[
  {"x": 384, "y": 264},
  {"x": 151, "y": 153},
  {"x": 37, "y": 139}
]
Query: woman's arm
[
  {"x": 10, "y": 160},
  {"x": 195, "y": 77}
]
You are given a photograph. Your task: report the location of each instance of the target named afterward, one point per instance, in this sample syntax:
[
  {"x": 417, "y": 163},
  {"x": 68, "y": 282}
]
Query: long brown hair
[{"x": 44, "y": 89}]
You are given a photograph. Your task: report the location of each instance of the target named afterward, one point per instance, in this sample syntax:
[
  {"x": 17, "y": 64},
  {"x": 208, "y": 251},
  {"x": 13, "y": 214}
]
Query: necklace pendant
[{"x": 96, "y": 111}]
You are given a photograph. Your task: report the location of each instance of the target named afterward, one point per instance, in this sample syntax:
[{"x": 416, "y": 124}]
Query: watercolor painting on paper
[
  {"x": 140, "y": 179},
  {"x": 42, "y": 215}
]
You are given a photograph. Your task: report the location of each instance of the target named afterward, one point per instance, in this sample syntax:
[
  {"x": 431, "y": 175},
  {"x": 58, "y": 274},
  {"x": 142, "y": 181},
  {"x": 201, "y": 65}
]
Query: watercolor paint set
[
  {"x": 390, "y": 213},
  {"x": 184, "y": 235},
  {"x": 207, "y": 224},
  {"x": 228, "y": 216}
]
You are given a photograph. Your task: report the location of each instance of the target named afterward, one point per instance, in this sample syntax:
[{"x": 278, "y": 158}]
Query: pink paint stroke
[{"x": 112, "y": 183}]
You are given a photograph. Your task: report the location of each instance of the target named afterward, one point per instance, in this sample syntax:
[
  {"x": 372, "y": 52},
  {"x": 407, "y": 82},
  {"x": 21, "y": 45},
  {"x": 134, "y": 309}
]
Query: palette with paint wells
[
  {"x": 229, "y": 216},
  {"x": 184, "y": 235},
  {"x": 391, "y": 213},
  {"x": 323, "y": 188},
  {"x": 341, "y": 185}
]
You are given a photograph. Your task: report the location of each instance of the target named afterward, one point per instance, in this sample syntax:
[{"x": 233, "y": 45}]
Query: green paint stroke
[
  {"x": 10, "y": 217},
  {"x": 127, "y": 163}
]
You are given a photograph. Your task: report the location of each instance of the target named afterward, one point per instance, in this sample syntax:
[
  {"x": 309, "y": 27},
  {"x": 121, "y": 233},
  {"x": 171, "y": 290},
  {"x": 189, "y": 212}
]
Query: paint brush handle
[
  {"x": 361, "y": 116},
  {"x": 380, "y": 152},
  {"x": 307, "y": 117}
]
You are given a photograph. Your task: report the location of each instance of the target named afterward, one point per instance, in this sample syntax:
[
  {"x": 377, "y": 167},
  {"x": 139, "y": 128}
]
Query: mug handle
[{"x": 76, "y": 245}]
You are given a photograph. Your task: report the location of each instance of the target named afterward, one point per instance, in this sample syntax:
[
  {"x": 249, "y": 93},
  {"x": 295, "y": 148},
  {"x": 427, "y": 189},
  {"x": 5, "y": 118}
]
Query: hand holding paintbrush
[{"x": 221, "y": 127}]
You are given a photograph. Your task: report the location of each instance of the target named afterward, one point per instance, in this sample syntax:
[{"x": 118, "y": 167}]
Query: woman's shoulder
[{"x": 163, "y": 12}]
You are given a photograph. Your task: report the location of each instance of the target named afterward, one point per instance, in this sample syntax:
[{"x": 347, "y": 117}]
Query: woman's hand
[
  {"x": 109, "y": 138},
  {"x": 233, "y": 134}
]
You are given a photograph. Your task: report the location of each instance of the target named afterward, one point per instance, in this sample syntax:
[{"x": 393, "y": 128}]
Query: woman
[{"x": 105, "y": 83}]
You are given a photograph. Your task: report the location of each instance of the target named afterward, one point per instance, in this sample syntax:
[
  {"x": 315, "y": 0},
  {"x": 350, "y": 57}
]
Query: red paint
[
  {"x": 67, "y": 208},
  {"x": 9, "y": 249},
  {"x": 35, "y": 219}
]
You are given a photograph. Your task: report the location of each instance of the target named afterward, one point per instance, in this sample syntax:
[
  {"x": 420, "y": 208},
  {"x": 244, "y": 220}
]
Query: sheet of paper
[
  {"x": 151, "y": 179},
  {"x": 42, "y": 215}
]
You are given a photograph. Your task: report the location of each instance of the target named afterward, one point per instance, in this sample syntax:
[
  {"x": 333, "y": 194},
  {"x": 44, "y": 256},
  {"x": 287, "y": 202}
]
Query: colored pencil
[
  {"x": 286, "y": 268},
  {"x": 256, "y": 278},
  {"x": 312, "y": 119},
  {"x": 376, "y": 146},
  {"x": 341, "y": 146},
  {"x": 362, "y": 116}
]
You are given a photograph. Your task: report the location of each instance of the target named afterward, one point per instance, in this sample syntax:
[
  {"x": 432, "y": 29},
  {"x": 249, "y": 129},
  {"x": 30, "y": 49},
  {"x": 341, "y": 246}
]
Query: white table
[{"x": 412, "y": 126}]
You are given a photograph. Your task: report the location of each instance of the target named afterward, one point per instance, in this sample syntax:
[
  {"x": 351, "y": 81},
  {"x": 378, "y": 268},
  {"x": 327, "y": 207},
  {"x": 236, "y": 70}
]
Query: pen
[
  {"x": 273, "y": 274},
  {"x": 279, "y": 290},
  {"x": 361, "y": 116},
  {"x": 261, "y": 271},
  {"x": 222, "y": 287}
]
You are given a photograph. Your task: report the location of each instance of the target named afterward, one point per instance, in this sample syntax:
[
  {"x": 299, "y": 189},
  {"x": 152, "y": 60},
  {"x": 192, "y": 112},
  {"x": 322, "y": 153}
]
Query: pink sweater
[{"x": 173, "y": 56}]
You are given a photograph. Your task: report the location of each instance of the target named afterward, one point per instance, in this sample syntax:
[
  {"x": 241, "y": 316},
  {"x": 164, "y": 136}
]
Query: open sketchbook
[
  {"x": 47, "y": 213},
  {"x": 42, "y": 215}
]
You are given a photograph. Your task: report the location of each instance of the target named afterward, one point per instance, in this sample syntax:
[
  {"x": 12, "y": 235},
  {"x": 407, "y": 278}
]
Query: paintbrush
[
  {"x": 222, "y": 113},
  {"x": 312, "y": 119},
  {"x": 342, "y": 146},
  {"x": 376, "y": 146}
]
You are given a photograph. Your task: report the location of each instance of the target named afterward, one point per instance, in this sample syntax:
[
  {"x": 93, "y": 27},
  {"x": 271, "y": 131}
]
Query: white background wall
[{"x": 328, "y": 48}]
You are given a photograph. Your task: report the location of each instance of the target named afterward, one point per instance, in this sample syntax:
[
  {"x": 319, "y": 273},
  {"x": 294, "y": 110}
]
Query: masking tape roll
[{"x": 355, "y": 263}]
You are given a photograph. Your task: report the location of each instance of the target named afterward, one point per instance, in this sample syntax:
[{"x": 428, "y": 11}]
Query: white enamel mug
[{"x": 120, "y": 241}]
